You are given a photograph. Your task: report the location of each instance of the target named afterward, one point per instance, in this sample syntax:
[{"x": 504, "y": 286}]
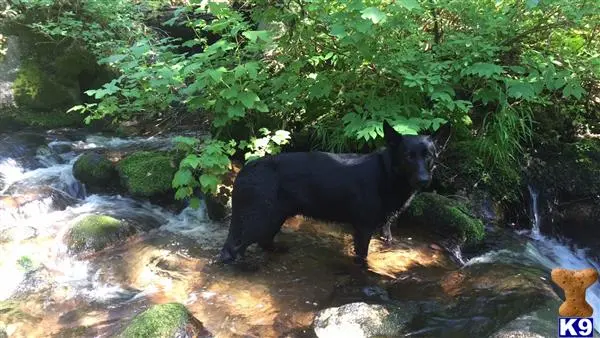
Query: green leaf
[
  {"x": 216, "y": 74},
  {"x": 261, "y": 107},
  {"x": 338, "y": 31},
  {"x": 229, "y": 93},
  {"x": 182, "y": 177},
  {"x": 248, "y": 98},
  {"x": 374, "y": 14},
  {"x": 573, "y": 89},
  {"x": 209, "y": 182},
  {"x": 363, "y": 26},
  {"x": 532, "y": 3},
  {"x": 409, "y": 4},
  {"x": 76, "y": 108},
  {"x": 486, "y": 95},
  {"x": 183, "y": 193},
  {"x": 486, "y": 70},
  {"x": 112, "y": 59},
  {"x": 441, "y": 96},
  {"x": 191, "y": 160},
  {"x": 194, "y": 203},
  {"x": 281, "y": 137},
  {"x": 236, "y": 111},
  {"x": 517, "y": 90},
  {"x": 255, "y": 35}
]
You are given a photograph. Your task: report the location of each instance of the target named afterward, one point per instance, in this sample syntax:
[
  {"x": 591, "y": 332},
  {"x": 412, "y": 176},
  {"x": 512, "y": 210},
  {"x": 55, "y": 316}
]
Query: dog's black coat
[{"x": 361, "y": 190}]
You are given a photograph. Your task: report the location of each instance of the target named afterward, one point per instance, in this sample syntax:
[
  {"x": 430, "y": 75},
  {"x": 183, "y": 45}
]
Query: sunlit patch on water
[
  {"x": 392, "y": 262},
  {"x": 10, "y": 172}
]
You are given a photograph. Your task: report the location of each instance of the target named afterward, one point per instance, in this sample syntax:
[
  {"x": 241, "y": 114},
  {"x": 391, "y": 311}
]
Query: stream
[{"x": 46, "y": 292}]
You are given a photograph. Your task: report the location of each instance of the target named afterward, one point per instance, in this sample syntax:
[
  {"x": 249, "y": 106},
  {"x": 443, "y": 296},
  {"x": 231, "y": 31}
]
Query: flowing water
[{"x": 48, "y": 292}]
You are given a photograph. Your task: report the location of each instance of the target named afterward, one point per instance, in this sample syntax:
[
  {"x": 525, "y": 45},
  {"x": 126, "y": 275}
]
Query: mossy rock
[
  {"x": 96, "y": 232},
  {"x": 35, "y": 89},
  {"x": 75, "y": 332},
  {"x": 445, "y": 216},
  {"x": 148, "y": 173},
  {"x": 165, "y": 321},
  {"x": 94, "y": 170}
]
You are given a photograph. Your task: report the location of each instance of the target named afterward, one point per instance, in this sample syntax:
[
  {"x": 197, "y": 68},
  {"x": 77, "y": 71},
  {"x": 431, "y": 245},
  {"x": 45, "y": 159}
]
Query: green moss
[
  {"x": 94, "y": 170},
  {"x": 163, "y": 320},
  {"x": 25, "y": 263},
  {"x": 147, "y": 174},
  {"x": 95, "y": 232},
  {"x": 11, "y": 312},
  {"x": 37, "y": 90},
  {"x": 446, "y": 214},
  {"x": 464, "y": 168},
  {"x": 73, "y": 332}
]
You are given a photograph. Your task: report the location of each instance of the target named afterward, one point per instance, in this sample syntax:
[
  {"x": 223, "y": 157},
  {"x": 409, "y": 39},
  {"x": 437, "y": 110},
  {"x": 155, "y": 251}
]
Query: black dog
[{"x": 362, "y": 190}]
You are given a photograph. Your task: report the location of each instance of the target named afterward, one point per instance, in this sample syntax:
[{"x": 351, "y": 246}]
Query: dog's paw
[
  {"x": 360, "y": 262},
  {"x": 387, "y": 240}
]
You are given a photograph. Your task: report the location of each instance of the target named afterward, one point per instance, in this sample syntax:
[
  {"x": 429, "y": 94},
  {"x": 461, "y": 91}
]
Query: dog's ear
[
  {"x": 441, "y": 136},
  {"x": 391, "y": 136}
]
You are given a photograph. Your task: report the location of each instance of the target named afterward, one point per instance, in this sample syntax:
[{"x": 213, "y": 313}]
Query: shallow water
[{"x": 47, "y": 292}]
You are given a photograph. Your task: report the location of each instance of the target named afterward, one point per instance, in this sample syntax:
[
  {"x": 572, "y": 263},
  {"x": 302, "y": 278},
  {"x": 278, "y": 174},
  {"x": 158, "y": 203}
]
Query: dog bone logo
[{"x": 574, "y": 283}]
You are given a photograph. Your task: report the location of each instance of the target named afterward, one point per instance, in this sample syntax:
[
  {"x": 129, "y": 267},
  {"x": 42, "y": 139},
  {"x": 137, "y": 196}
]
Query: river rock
[
  {"x": 148, "y": 174},
  {"x": 95, "y": 232},
  {"x": 537, "y": 324},
  {"x": 32, "y": 202},
  {"x": 171, "y": 320},
  {"x": 95, "y": 171},
  {"x": 363, "y": 320},
  {"x": 482, "y": 298},
  {"x": 450, "y": 220}
]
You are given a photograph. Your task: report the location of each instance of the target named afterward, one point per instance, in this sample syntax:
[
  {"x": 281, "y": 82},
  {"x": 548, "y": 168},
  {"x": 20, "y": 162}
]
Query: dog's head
[{"x": 414, "y": 156}]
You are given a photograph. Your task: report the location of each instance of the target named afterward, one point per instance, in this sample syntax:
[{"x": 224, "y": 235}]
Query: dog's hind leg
[
  {"x": 233, "y": 243},
  {"x": 267, "y": 243},
  {"x": 362, "y": 238}
]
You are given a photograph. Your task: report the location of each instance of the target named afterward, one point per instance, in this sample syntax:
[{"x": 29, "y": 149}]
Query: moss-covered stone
[
  {"x": 165, "y": 321},
  {"x": 94, "y": 170},
  {"x": 147, "y": 173},
  {"x": 48, "y": 78},
  {"x": 445, "y": 215},
  {"x": 35, "y": 89},
  {"x": 95, "y": 232},
  {"x": 75, "y": 332}
]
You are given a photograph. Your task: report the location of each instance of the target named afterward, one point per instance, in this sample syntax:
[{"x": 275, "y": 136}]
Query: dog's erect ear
[
  {"x": 441, "y": 136},
  {"x": 391, "y": 136}
]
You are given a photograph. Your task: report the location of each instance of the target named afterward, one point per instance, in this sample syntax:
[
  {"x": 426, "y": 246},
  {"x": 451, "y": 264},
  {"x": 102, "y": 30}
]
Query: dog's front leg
[
  {"x": 386, "y": 233},
  {"x": 362, "y": 238}
]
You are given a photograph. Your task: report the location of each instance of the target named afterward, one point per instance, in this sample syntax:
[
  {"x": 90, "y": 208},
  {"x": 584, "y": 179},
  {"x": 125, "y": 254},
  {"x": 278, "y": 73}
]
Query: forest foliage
[{"x": 335, "y": 69}]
